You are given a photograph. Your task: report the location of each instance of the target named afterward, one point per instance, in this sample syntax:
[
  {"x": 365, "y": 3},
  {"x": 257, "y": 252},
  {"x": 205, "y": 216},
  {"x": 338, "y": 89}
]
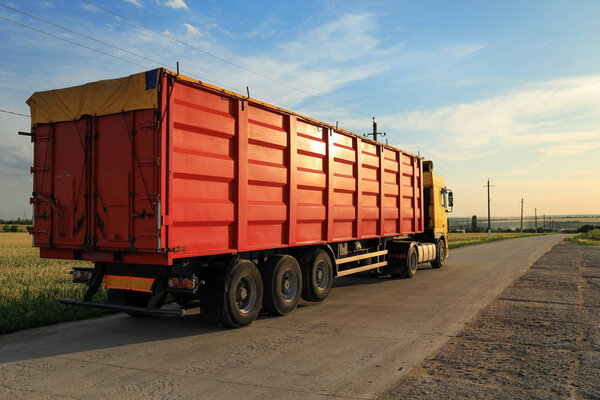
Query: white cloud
[
  {"x": 16, "y": 160},
  {"x": 192, "y": 30},
  {"x": 533, "y": 115},
  {"x": 569, "y": 148},
  {"x": 89, "y": 7},
  {"x": 176, "y": 4},
  {"x": 134, "y": 2}
]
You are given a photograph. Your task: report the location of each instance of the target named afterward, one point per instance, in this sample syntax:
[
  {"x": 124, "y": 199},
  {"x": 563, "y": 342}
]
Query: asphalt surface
[
  {"x": 539, "y": 340},
  {"x": 362, "y": 339}
]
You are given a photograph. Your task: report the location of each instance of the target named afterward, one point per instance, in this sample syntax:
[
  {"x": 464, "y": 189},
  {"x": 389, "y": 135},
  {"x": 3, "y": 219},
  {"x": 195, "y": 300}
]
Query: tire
[
  {"x": 408, "y": 267},
  {"x": 282, "y": 281},
  {"x": 410, "y": 264},
  {"x": 130, "y": 298},
  {"x": 317, "y": 276},
  {"x": 243, "y": 294},
  {"x": 440, "y": 254}
]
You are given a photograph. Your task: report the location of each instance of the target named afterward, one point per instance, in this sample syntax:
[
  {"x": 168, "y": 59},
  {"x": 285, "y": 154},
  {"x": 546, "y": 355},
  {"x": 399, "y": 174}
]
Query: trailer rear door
[
  {"x": 124, "y": 201},
  {"x": 59, "y": 179}
]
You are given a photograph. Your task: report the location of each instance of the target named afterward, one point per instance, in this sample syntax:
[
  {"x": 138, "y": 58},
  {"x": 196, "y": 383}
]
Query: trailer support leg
[
  {"x": 159, "y": 292},
  {"x": 95, "y": 283}
]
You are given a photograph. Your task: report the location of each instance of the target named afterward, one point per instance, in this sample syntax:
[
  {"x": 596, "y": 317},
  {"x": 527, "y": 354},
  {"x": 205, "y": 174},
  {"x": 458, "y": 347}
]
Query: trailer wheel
[
  {"x": 282, "y": 281},
  {"x": 243, "y": 295},
  {"x": 317, "y": 276},
  {"x": 440, "y": 255}
]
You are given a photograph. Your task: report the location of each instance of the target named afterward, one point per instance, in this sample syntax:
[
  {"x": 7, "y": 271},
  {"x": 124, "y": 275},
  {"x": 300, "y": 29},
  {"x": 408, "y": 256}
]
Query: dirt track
[
  {"x": 354, "y": 345},
  {"x": 539, "y": 340}
]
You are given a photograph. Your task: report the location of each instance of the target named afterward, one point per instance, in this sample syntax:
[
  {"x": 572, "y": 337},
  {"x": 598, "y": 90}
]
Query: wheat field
[{"x": 30, "y": 286}]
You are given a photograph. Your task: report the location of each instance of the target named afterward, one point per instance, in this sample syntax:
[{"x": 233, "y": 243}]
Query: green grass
[
  {"x": 591, "y": 238},
  {"x": 30, "y": 287},
  {"x": 456, "y": 240},
  {"x": 20, "y": 227}
]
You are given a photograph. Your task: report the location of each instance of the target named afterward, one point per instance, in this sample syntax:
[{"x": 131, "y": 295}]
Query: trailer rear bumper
[{"x": 161, "y": 312}]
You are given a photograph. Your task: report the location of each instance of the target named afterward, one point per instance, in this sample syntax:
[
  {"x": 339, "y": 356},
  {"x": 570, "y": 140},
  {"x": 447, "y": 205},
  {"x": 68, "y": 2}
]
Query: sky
[{"x": 501, "y": 90}]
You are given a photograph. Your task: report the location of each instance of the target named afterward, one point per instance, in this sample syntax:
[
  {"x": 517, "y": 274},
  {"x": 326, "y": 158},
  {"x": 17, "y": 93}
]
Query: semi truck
[{"x": 173, "y": 186}]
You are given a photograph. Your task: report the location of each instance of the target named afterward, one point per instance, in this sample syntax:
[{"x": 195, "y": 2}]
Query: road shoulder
[{"x": 539, "y": 339}]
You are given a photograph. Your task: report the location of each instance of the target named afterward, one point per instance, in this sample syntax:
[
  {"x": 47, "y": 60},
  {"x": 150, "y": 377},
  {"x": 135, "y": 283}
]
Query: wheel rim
[
  {"x": 245, "y": 295},
  {"x": 322, "y": 274},
  {"x": 442, "y": 253},
  {"x": 289, "y": 285}
]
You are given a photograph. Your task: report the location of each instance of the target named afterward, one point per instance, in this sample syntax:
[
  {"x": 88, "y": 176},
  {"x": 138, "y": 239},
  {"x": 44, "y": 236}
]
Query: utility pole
[
  {"x": 536, "y": 220},
  {"x": 544, "y": 222},
  {"x": 489, "y": 219},
  {"x": 521, "y": 215},
  {"x": 374, "y": 129},
  {"x": 375, "y": 133}
]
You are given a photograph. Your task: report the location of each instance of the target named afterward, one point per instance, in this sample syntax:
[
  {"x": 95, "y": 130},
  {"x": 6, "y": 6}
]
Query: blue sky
[{"x": 507, "y": 90}]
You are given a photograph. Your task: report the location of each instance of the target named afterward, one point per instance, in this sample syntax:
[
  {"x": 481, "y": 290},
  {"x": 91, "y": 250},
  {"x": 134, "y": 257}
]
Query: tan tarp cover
[{"x": 99, "y": 98}]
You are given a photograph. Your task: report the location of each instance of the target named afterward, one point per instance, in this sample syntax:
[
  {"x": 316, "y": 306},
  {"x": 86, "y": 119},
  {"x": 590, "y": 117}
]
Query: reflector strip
[{"x": 128, "y": 283}]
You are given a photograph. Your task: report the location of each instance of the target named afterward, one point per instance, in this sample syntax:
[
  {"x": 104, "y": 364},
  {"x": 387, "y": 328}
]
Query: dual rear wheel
[{"x": 278, "y": 287}]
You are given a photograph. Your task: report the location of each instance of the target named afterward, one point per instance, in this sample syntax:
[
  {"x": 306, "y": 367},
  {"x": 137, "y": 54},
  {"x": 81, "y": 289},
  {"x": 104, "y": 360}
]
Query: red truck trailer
[{"x": 174, "y": 186}]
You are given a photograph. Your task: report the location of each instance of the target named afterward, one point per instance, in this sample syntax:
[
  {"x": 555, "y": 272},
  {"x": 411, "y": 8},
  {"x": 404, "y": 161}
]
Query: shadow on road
[{"x": 118, "y": 330}]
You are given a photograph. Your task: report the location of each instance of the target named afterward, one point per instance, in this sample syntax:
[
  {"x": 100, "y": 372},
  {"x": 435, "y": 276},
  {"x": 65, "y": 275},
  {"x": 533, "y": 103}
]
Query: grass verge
[
  {"x": 591, "y": 238},
  {"x": 456, "y": 240},
  {"x": 30, "y": 287}
]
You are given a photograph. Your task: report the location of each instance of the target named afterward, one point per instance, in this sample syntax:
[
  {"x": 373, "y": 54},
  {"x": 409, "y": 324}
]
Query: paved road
[
  {"x": 540, "y": 339},
  {"x": 358, "y": 342}
]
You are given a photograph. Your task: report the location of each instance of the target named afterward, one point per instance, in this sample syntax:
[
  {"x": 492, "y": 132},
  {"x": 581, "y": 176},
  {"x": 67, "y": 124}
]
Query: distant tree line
[
  {"x": 474, "y": 227},
  {"x": 15, "y": 225},
  {"x": 587, "y": 228},
  {"x": 18, "y": 221}
]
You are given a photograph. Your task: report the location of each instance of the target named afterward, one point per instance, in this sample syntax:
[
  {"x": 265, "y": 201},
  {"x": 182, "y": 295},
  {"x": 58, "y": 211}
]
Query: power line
[
  {"x": 78, "y": 33},
  {"x": 75, "y": 43},
  {"x": 109, "y": 45},
  {"x": 106, "y": 43},
  {"x": 14, "y": 113},
  {"x": 134, "y": 22}
]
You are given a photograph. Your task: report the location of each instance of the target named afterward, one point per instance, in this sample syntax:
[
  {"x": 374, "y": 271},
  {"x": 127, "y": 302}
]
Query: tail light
[
  {"x": 82, "y": 275},
  {"x": 184, "y": 283}
]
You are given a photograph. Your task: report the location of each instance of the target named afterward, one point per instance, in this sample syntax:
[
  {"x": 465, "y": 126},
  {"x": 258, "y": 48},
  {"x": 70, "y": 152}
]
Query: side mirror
[{"x": 450, "y": 198}]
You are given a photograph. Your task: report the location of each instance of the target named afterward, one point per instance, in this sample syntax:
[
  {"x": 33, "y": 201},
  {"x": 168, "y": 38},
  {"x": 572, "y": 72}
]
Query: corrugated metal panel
[
  {"x": 203, "y": 188},
  {"x": 230, "y": 175},
  {"x": 248, "y": 177}
]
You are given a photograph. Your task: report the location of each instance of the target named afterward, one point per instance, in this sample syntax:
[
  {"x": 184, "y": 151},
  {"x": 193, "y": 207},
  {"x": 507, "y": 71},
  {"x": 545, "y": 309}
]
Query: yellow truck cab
[{"x": 438, "y": 203}]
